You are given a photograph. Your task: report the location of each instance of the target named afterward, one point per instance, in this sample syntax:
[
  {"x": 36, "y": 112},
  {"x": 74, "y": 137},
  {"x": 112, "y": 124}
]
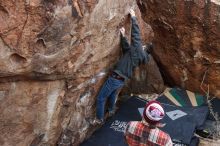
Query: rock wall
[
  {"x": 30, "y": 112},
  {"x": 146, "y": 79},
  {"x": 187, "y": 40},
  {"x": 54, "y": 56}
]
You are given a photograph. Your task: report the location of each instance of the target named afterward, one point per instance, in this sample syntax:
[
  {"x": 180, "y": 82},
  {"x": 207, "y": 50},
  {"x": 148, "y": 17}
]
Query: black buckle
[{"x": 116, "y": 76}]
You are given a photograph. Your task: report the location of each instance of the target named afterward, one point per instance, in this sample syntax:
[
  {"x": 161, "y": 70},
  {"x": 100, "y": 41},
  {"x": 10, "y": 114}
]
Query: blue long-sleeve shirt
[{"x": 133, "y": 54}]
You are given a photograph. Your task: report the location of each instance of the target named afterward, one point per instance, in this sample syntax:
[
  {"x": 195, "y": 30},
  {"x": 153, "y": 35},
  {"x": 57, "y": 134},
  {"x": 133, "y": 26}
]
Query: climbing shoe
[
  {"x": 111, "y": 113},
  {"x": 97, "y": 122}
]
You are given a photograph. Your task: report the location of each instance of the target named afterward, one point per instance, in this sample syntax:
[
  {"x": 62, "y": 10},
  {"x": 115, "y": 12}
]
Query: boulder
[
  {"x": 30, "y": 112},
  {"x": 54, "y": 57},
  {"x": 187, "y": 42}
]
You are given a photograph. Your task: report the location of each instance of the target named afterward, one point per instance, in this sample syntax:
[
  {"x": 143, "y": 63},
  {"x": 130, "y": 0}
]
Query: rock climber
[
  {"x": 146, "y": 132},
  {"x": 133, "y": 55}
]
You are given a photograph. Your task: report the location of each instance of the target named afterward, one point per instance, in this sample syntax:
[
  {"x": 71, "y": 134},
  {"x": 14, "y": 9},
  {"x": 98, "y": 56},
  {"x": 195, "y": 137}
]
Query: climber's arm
[
  {"x": 124, "y": 41},
  {"x": 135, "y": 31}
]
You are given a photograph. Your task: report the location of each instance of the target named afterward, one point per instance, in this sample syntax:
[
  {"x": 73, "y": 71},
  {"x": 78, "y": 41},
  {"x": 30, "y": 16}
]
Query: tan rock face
[
  {"x": 59, "y": 37},
  {"x": 54, "y": 56},
  {"x": 30, "y": 111},
  {"x": 187, "y": 39}
]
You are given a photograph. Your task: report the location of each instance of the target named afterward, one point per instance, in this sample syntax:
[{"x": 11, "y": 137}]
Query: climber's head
[{"x": 153, "y": 112}]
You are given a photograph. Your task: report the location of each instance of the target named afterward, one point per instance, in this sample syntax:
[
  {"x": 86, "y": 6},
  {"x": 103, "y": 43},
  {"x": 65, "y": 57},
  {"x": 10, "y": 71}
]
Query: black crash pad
[{"x": 181, "y": 129}]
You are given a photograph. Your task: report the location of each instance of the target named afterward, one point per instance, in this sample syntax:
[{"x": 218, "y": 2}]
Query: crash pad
[
  {"x": 181, "y": 129},
  {"x": 182, "y": 97}
]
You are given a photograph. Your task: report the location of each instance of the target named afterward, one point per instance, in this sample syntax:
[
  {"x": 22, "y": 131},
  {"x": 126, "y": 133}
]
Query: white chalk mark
[{"x": 51, "y": 107}]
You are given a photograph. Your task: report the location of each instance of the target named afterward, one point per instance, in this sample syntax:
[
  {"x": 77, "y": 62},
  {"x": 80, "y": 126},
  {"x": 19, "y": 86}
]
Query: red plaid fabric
[{"x": 139, "y": 134}]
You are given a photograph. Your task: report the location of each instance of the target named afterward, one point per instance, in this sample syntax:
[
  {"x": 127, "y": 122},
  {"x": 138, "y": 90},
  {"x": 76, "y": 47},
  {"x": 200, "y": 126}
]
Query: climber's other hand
[{"x": 132, "y": 13}]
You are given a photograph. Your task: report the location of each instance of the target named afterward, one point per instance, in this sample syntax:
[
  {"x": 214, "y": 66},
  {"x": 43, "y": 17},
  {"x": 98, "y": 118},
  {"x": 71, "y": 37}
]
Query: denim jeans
[{"x": 108, "y": 91}]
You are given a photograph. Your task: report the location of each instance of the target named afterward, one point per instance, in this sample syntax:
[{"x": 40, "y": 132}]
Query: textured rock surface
[
  {"x": 44, "y": 38},
  {"x": 187, "y": 39},
  {"x": 146, "y": 79},
  {"x": 54, "y": 56},
  {"x": 30, "y": 111}
]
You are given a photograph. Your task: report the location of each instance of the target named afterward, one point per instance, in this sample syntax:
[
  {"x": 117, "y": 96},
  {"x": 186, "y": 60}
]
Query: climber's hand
[
  {"x": 132, "y": 13},
  {"x": 122, "y": 31}
]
